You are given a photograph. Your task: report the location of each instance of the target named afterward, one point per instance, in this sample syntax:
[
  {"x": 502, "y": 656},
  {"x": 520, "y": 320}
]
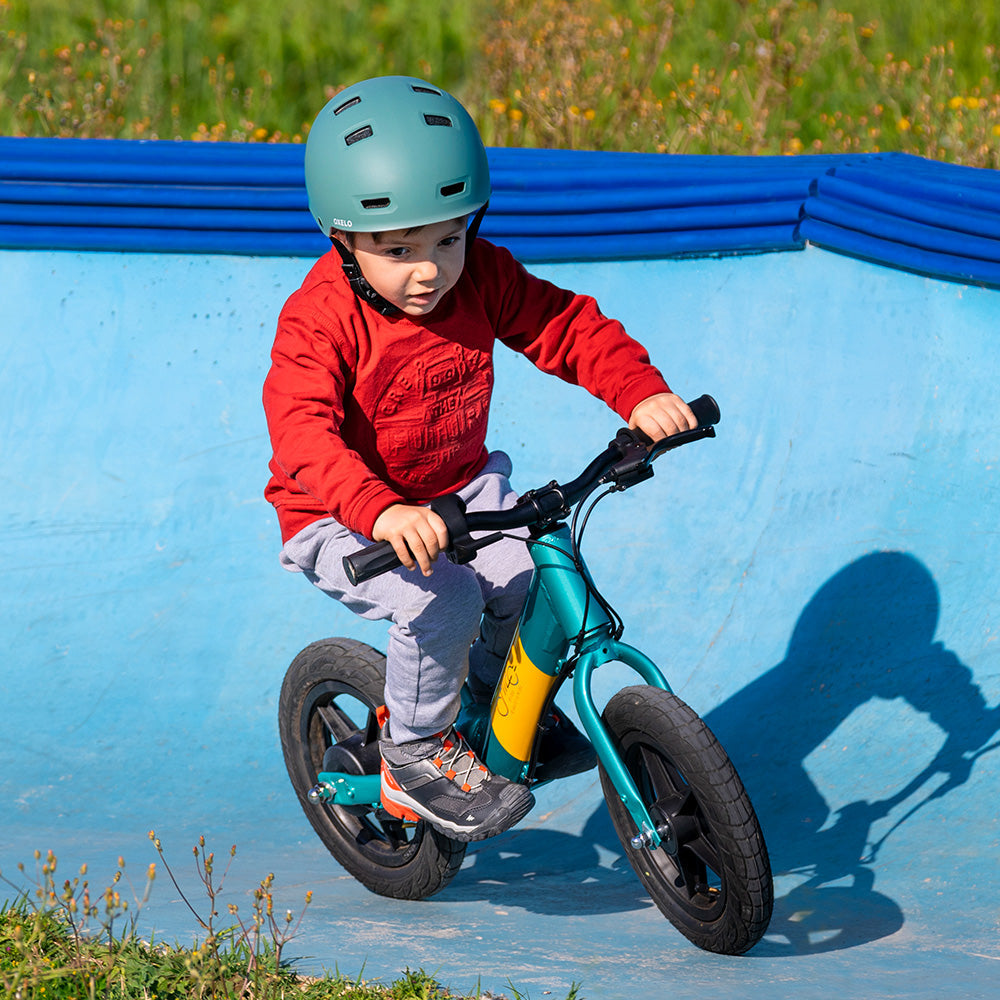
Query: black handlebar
[{"x": 626, "y": 461}]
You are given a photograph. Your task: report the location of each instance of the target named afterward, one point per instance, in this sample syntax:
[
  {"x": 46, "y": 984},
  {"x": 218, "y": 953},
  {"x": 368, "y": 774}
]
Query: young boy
[{"x": 377, "y": 401}]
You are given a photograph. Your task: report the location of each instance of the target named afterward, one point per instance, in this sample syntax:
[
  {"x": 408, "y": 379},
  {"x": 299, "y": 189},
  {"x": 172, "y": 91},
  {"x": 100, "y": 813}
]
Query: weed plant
[
  {"x": 676, "y": 76},
  {"x": 758, "y": 77},
  {"x": 62, "y": 940}
]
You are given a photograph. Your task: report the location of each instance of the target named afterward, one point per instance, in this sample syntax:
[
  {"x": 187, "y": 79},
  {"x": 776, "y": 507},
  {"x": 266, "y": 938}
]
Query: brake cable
[{"x": 576, "y": 533}]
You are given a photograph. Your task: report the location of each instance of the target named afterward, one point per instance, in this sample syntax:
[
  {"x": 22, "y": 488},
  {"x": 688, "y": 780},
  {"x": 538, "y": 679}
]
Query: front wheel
[
  {"x": 330, "y": 693},
  {"x": 710, "y": 877}
]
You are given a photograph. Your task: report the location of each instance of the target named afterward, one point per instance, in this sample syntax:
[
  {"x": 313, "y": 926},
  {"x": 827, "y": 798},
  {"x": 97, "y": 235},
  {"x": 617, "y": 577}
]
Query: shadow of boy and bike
[{"x": 868, "y": 633}]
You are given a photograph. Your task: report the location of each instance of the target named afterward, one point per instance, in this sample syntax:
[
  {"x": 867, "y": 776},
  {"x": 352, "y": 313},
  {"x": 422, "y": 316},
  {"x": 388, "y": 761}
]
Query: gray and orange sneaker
[{"x": 442, "y": 781}]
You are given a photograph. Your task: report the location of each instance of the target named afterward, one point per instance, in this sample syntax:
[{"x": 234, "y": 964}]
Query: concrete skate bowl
[{"x": 819, "y": 582}]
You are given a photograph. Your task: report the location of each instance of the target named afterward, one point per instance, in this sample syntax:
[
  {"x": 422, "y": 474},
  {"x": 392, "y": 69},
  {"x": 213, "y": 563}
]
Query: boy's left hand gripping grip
[
  {"x": 705, "y": 410},
  {"x": 371, "y": 562}
]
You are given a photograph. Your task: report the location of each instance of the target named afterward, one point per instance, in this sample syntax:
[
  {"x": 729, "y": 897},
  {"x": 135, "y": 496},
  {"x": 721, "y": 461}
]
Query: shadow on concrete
[
  {"x": 546, "y": 871},
  {"x": 868, "y": 633}
]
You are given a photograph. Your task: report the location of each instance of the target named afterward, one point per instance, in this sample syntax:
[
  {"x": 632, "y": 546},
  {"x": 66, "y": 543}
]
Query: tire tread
[{"x": 661, "y": 719}]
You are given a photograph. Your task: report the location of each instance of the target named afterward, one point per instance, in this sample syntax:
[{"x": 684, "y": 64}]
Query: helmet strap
[
  {"x": 359, "y": 283},
  {"x": 473, "y": 231}
]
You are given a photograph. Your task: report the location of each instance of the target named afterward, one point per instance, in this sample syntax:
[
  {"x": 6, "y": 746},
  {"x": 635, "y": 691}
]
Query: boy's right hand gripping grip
[{"x": 370, "y": 562}]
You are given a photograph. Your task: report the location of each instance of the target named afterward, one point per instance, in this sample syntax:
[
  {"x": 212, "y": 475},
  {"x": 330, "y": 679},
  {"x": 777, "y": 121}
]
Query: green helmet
[{"x": 394, "y": 152}]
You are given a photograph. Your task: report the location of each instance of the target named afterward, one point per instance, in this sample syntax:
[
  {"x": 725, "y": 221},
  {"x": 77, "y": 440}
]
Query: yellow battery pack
[{"x": 518, "y": 703}]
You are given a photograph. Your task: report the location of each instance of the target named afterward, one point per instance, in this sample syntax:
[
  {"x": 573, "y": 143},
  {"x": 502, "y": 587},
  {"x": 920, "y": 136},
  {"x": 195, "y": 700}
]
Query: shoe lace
[{"x": 458, "y": 762}]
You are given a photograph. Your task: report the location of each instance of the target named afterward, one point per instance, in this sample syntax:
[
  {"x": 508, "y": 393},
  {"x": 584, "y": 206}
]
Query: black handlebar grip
[
  {"x": 706, "y": 411},
  {"x": 370, "y": 562}
]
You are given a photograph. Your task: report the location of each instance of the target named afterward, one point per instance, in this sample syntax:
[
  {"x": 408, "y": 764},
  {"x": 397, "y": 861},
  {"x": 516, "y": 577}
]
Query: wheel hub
[{"x": 674, "y": 827}]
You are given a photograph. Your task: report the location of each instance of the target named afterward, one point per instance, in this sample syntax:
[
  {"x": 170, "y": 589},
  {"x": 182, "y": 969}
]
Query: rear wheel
[
  {"x": 330, "y": 692},
  {"x": 710, "y": 876}
]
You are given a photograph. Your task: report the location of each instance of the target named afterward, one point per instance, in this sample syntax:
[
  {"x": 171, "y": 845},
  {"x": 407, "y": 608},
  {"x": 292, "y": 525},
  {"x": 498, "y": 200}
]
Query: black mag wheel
[
  {"x": 711, "y": 877},
  {"x": 330, "y": 692}
]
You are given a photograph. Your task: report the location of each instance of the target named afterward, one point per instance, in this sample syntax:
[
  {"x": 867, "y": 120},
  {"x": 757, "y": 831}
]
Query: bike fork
[{"x": 600, "y": 651}]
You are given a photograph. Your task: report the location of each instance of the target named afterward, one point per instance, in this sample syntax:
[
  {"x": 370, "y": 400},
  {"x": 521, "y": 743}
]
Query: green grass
[
  {"x": 267, "y": 63},
  {"x": 684, "y": 76},
  {"x": 62, "y": 939}
]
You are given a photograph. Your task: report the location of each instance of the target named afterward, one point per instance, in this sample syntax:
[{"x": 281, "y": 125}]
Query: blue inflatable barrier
[
  {"x": 547, "y": 205},
  {"x": 981, "y": 222},
  {"x": 934, "y": 219}
]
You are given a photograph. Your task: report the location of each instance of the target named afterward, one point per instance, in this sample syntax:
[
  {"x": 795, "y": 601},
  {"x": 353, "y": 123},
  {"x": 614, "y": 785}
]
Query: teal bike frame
[{"x": 563, "y": 630}]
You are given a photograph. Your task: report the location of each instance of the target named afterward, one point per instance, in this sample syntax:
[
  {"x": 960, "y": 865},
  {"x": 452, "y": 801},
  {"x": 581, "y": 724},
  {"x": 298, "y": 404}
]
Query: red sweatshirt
[{"x": 365, "y": 411}]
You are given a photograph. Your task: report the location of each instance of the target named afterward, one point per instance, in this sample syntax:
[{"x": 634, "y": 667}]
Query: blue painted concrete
[{"x": 819, "y": 582}]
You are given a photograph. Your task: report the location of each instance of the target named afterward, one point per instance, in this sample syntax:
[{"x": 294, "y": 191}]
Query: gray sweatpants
[{"x": 461, "y": 619}]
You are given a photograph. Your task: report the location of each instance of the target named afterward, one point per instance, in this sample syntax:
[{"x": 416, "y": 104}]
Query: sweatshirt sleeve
[
  {"x": 304, "y": 401},
  {"x": 565, "y": 334}
]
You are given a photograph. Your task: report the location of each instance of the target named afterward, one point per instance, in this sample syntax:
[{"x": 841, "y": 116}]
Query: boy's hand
[
  {"x": 416, "y": 533},
  {"x": 661, "y": 415}
]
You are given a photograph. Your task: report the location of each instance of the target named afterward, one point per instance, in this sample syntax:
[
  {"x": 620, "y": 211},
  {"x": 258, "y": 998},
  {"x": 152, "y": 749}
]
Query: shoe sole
[{"x": 397, "y": 803}]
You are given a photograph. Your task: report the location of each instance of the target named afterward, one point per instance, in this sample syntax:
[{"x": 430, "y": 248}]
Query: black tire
[
  {"x": 330, "y": 691},
  {"x": 711, "y": 878}
]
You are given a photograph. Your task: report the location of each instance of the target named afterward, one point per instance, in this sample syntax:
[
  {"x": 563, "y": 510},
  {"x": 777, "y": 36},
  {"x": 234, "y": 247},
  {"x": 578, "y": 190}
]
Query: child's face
[{"x": 413, "y": 269}]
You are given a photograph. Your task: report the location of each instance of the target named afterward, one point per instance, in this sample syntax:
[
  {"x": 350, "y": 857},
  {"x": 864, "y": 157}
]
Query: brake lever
[
  {"x": 638, "y": 454},
  {"x": 635, "y": 465},
  {"x": 676, "y": 440}
]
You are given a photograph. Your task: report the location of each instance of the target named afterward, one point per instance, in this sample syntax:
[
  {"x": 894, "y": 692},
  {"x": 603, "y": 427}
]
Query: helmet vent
[
  {"x": 449, "y": 190},
  {"x": 347, "y": 104},
  {"x": 417, "y": 89},
  {"x": 437, "y": 120},
  {"x": 365, "y": 132},
  {"x": 375, "y": 203}
]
